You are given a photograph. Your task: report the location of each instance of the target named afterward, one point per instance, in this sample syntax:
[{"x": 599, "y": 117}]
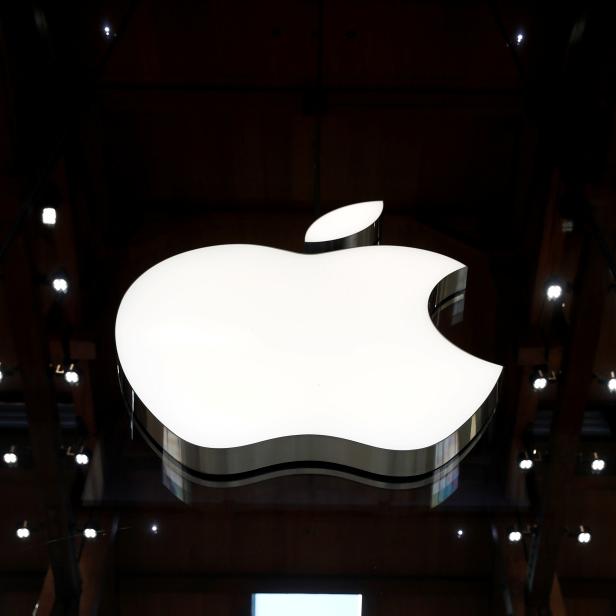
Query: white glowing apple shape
[{"x": 233, "y": 345}]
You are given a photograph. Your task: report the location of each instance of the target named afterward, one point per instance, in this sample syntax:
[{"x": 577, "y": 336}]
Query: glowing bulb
[
  {"x": 611, "y": 384},
  {"x": 154, "y": 529},
  {"x": 60, "y": 285},
  {"x": 89, "y": 533},
  {"x": 459, "y": 533},
  {"x": 553, "y": 292},
  {"x": 107, "y": 31},
  {"x": 519, "y": 38},
  {"x": 49, "y": 216},
  {"x": 23, "y": 532},
  {"x": 82, "y": 459},
  {"x": 525, "y": 464},
  {"x": 10, "y": 457},
  {"x": 71, "y": 376},
  {"x": 539, "y": 383},
  {"x": 584, "y": 535},
  {"x": 514, "y": 536},
  {"x": 597, "y": 465}
]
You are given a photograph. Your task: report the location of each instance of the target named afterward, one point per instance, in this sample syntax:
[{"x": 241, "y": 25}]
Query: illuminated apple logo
[{"x": 241, "y": 360}]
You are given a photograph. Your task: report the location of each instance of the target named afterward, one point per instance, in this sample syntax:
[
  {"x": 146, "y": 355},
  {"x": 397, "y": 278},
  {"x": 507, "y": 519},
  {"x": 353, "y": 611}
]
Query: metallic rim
[
  {"x": 174, "y": 467},
  {"x": 370, "y": 236}
]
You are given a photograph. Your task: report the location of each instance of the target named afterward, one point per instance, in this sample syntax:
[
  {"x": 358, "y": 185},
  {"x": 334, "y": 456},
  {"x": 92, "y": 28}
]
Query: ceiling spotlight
[
  {"x": 611, "y": 383},
  {"x": 460, "y": 533},
  {"x": 538, "y": 379},
  {"x": 519, "y": 38},
  {"x": 584, "y": 535},
  {"x": 82, "y": 459},
  {"x": 514, "y": 536},
  {"x": 154, "y": 529},
  {"x": 10, "y": 457},
  {"x": 60, "y": 285},
  {"x": 554, "y": 292},
  {"x": 89, "y": 533},
  {"x": 71, "y": 376},
  {"x": 525, "y": 463},
  {"x": 23, "y": 532},
  {"x": 107, "y": 31},
  {"x": 49, "y": 216},
  {"x": 597, "y": 464}
]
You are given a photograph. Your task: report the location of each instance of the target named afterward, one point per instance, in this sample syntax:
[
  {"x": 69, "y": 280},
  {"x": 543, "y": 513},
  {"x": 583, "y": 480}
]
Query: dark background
[{"x": 198, "y": 123}]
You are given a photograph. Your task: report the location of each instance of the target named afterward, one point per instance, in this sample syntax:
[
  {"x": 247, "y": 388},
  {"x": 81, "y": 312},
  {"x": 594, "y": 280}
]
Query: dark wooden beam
[
  {"x": 32, "y": 351},
  {"x": 577, "y": 375}
]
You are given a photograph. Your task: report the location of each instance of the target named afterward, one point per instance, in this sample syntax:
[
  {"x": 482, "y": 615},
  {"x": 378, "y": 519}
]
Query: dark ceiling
[{"x": 197, "y": 123}]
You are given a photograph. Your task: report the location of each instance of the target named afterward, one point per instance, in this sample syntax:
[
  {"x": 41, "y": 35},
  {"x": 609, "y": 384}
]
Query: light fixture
[
  {"x": 89, "y": 533},
  {"x": 60, "y": 285},
  {"x": 1, "y": 375},
  {"x": 584, "y": 535},
  {"x": 10, "y": 457},
  {"x": 164, "y": 319},
  {"x": 49, "y": 216},
  {"x": 71, "y": 376},
  {"x": 554, "y": 291},
  {"x": 611, "y": 383},
  {"x": 460, "y": 533},
  {"x": 598, "y": 464},
  {"x": 107, "y": 31},
  {"x": 23, "y": 532},
  {"x": 82, "y": 458},
  {"x": 514, "y": 536},
  {"x": 538, "y": 379},
  {"x": 154, "y": 529},
  {"x": 519, "y": 38},
  {"x": 525, "y": 463}
]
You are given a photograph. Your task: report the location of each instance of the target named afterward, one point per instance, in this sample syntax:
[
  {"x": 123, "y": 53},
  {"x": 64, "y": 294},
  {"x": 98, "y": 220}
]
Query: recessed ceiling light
[
  {"x": 514, "y": 536},
  {"x": 584, "y": 535},
  {"x": 60, "y": 285},
  {"x": 49, "y": 216},
  {"x": 89, "y": 533},
  {"x": 554, "y": 292}
]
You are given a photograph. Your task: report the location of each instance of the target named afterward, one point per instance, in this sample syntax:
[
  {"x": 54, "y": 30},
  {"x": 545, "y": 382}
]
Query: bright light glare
[
  {"x": 459, "y": 533},
  {"x": 597, "y": 465},
  {"x": 89, "y": 533},
  {"x": 519, "y": 38},
  {"x": 1, "y": 375},
  {"x": 306, "y": 605},
  {"x": 107, "y": 31},
  {"x": 540, "y": 383},
  {"x": 525, "y": 464},
  {"x": 82, "y": 459},
  {"x": 60, "y": 285},
  {"x": 553, "y": 292},
  {"x": 71, "y": 377},
  {"x": 584, "y": 537},
  {"x": 514, "y": 536},
  {"x": 611, "y": 385},
  {"x": 23, "y": 532},
  {"x": 154, "y": 529},
  {"x": 49, "y": 216},
  {"x": 10, "y": 457}
]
